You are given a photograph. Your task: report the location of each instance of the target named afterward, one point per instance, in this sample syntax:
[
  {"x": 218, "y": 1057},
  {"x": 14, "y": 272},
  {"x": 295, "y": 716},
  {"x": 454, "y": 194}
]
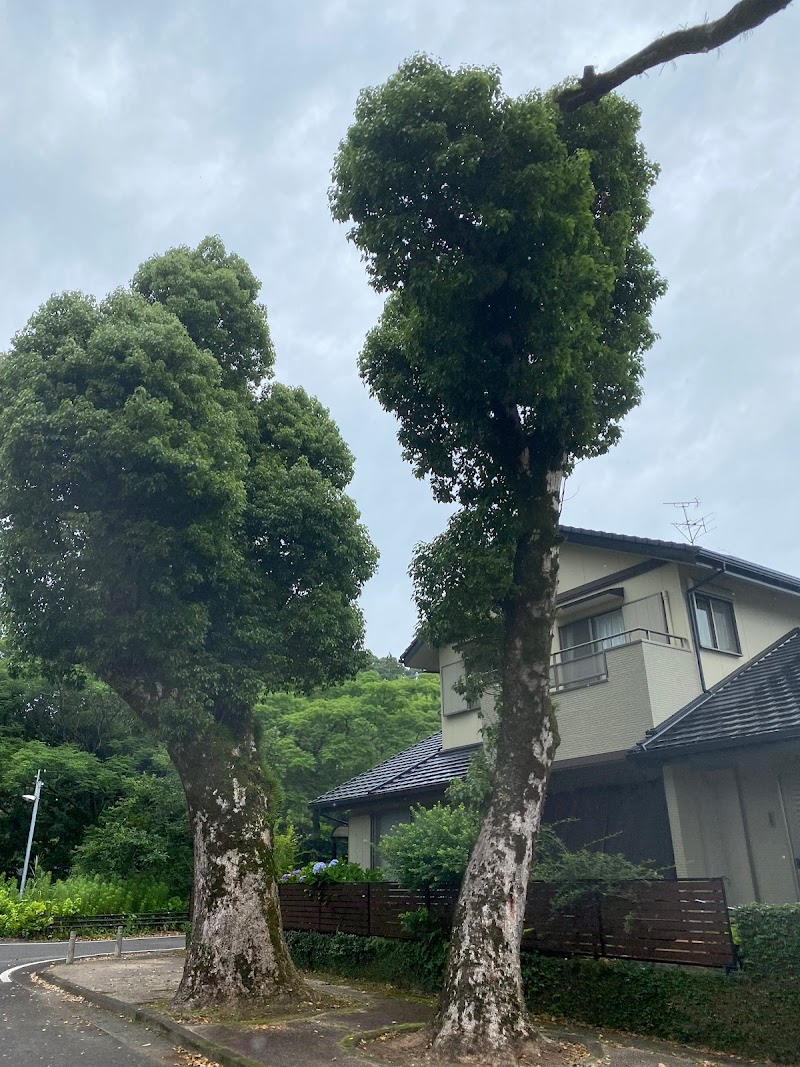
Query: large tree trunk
[
  {"x": 482, "y": 1010},
  {"x": 237, "y": 949}
]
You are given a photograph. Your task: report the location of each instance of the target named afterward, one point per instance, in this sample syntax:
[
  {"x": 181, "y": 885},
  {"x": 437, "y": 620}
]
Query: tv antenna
[{"x": 692, "y": 528}]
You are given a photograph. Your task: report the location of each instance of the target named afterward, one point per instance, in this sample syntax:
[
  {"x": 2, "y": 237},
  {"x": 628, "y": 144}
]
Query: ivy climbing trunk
[
  {"x": 482, "y": 1009},
  {"x": 237, "y": 949}
]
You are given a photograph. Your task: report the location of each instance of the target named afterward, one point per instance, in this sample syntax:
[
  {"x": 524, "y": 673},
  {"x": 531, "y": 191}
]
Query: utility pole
[{"x": 35, "y": 798}]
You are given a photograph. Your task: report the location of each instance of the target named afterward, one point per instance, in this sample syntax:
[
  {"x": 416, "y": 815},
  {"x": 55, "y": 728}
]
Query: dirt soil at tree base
[{"x": 413, "y": 1050}]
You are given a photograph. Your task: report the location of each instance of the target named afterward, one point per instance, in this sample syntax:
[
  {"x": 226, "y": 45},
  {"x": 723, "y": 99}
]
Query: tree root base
[
  {"x": 298, "y": 999},
  {"x": 415, "y": 1050}
]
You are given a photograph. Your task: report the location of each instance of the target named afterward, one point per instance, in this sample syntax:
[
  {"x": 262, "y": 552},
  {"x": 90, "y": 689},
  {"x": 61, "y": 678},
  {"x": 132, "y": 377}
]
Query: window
[
  {"x": 604, "y": 630},
  {"x": 716, "y": 625},
  {"x": 454, "y": 703}
]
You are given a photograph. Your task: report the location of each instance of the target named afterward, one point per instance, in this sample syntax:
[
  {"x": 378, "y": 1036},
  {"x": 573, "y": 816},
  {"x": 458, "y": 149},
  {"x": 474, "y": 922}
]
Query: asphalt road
[{"x": 40, "y": 1025}]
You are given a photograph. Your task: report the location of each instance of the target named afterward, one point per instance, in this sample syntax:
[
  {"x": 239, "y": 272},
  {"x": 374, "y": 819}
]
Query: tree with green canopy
[
  {"x": 176, "y": 522},
  {"x": 506, "y": 233}
]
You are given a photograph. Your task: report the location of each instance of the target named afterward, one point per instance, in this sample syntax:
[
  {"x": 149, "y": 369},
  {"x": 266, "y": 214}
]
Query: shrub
[
  {"x": 432, "y": 851},
  {"x": 404, "y": 964},
  {"x": 20, "y": 918},
  {"x": 769, "y": 940},
  {"x": 321, "y": 873}
]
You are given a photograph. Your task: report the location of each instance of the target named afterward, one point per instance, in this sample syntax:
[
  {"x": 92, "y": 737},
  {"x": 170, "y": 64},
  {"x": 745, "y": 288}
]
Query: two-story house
[{"x": 676, "y": 674}]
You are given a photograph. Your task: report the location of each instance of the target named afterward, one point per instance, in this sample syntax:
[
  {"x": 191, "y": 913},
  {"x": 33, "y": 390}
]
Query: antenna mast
[{"x": 691, "y": 528}]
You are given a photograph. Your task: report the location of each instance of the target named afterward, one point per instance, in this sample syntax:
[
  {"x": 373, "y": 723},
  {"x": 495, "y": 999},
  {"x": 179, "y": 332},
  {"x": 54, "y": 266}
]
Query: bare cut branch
[{"x": 744, "y": 16}]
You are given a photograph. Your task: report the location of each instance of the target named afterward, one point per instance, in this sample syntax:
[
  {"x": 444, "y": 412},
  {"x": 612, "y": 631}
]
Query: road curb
[{"x": 188, "y": 1038}]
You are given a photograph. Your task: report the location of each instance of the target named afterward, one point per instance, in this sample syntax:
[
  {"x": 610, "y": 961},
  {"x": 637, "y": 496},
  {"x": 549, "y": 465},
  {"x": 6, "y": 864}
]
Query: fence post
[
  {"x": 600, "y": 932},
  {"x": 71, "y": 947},
  {"x": 118, "y": 947},
  {"x": 369, "y": 909}
]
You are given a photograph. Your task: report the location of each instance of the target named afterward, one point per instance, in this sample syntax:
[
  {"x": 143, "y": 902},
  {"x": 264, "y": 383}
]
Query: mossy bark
[
  {"x": 237, "y": 951},
  {"x": 482, "y": 1010}
]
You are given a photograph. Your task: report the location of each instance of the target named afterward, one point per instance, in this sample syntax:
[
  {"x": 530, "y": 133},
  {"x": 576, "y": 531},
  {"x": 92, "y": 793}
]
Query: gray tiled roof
[
  {"x": 423, "y": 766},
  {"x": 759, "y": 702}
]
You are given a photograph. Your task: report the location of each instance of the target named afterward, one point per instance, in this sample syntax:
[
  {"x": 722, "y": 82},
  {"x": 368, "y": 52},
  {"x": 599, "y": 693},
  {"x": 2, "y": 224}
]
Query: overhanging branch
[{"x": 742, "y": 17}]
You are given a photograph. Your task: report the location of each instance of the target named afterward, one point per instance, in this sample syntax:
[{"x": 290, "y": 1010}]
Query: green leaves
[
  {"x": 315, "y": 743},
  {"x": 170, "y": 520},
  {"x": 507, "y": 236}
]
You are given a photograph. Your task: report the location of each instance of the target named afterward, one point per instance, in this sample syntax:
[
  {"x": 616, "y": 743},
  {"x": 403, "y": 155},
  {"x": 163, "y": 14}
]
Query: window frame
[
  {"x": 592, "y": 640},
  {"x": 712, "y": 599}
]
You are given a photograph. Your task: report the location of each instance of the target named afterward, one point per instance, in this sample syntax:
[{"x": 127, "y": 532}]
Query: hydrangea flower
[
  {"x": 302, "y": 878},
  {"x": 333, "y": 863},
  {"x": 318, "y": 866},
  {"x": 284, "y": 877}
]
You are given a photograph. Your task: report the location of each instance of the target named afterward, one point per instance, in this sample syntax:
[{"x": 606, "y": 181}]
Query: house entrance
[{"x": 790, "y": 793}]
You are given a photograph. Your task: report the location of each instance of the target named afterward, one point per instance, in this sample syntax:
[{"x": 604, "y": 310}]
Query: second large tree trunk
[
  {"x": 237, "y": 951},
  {"x": 482, "y": 1010}
]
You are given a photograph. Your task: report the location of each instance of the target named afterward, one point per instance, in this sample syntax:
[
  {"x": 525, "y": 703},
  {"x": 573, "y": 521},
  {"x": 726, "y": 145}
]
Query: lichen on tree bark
[
  {"x": 236, "y": 949},
  {"x": 482, "y": 1004}
]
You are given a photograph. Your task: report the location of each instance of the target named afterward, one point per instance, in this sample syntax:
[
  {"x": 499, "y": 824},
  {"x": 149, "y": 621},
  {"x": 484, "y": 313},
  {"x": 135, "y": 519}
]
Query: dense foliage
[
  {"x": 432, "y": 852},
  {"x": 508, "y": 237},
  {"x": 313, "y": 743},
  {"x": 153, "y": 445},
  {"x": 46, "y": 900},
  {"x": 769, "y": 940}
]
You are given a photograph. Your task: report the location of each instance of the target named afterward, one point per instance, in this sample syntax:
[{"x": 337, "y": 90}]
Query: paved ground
[
  {"x": 41, "y": 1026},
  {"x": 323, "y": 1037}
]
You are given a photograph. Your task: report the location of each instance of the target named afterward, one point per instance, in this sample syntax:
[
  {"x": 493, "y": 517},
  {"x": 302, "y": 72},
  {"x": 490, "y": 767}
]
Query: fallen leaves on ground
[{"x": 193, "y": 1059}]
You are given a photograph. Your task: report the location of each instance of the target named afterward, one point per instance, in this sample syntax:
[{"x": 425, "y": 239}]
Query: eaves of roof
[{"x": 678, "y": 552}]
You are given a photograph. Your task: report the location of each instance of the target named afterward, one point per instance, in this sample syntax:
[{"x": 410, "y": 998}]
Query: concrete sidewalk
[{"x": 139, "y": 987}]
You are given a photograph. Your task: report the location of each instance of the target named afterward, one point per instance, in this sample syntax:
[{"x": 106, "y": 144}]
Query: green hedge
[
  {"x": 732, "y": 1013},
  {"x": 410, "y": 965},
  {"x": 769, "y": 940}
]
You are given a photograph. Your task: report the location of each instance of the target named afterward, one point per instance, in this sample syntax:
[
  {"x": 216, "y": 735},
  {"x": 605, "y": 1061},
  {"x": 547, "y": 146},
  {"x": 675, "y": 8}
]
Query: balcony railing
[{"x": 586, "y": 664}]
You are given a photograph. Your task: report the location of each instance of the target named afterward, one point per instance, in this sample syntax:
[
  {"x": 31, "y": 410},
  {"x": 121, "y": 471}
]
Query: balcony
[
  {"x": 609, "y": 692},
  {"x": 587, "y": 664}
]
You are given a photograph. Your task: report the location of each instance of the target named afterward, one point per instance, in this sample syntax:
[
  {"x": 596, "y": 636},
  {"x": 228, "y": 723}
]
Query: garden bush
[
  {"x": 769, "y": 940},
  {"x": 320, "y": 873}
]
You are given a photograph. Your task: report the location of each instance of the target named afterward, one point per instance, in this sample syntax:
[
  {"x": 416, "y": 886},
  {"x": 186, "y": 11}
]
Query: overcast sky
[{"x": 127, "y": 129}]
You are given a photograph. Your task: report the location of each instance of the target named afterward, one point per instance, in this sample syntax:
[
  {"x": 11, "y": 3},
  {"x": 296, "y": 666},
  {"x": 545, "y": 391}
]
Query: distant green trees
[
  {"x": 114, "y": 807},
  {"x": 313, "y": 743}
]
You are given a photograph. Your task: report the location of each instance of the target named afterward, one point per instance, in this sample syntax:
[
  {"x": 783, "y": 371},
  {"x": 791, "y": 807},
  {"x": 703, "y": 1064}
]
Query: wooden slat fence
[{"x": 684, "y": 921}]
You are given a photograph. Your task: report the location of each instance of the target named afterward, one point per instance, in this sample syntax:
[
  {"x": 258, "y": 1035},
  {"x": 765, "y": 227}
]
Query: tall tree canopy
[
  {"x": 177, "y": 523},
  {"x": 507, "y": 235}
]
